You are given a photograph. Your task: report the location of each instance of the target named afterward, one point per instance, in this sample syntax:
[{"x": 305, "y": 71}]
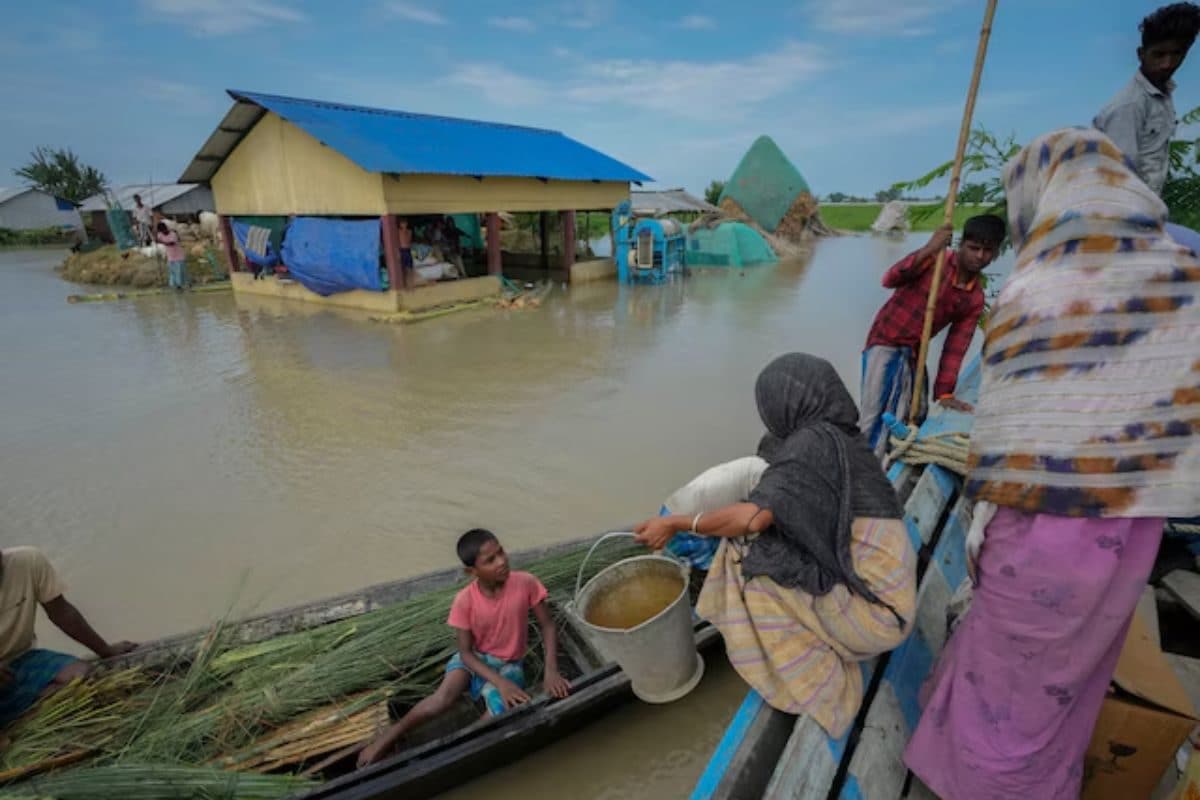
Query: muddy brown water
[
  {"x": 176, "y": 455},
  {"x": 631, "y": 601}
]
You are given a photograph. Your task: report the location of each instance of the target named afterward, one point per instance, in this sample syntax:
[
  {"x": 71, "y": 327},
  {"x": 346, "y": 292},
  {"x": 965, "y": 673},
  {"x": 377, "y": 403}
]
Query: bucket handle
[{"x": 601, "y": 540}]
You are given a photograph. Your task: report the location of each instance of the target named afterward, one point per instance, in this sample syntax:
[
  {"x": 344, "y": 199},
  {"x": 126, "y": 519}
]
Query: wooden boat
[
  {"x": 461, "y": 746},
  {"x": 766, "y": 753}
]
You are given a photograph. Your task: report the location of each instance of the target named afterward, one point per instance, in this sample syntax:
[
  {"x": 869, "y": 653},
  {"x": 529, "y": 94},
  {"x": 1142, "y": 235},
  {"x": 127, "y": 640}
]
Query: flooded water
[{"x": 173, "y": 454}]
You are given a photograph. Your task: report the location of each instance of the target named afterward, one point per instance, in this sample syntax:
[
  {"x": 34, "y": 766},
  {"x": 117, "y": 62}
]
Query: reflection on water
[{"x": 173, "y": 453}]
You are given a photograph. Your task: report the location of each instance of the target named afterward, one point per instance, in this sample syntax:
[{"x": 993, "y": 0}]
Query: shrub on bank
[{"x": 35, "y": 236}]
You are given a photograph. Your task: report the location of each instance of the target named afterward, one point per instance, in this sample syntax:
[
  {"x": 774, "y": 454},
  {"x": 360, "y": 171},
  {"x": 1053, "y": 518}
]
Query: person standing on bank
[
  {"x": 177, "y": 277},
  {"x": 143, "y": 218}
]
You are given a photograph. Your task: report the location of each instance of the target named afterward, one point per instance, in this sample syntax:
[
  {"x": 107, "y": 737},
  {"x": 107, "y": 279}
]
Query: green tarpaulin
[
  {"x": 730, "y": 244},
  {"x": 121, "y": 226},
  {"x": 276, "y": 225}
]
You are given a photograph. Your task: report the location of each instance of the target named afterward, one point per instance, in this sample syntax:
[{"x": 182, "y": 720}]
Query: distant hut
[
  {"x": 27, "y": 209},
  {"x": 178, "y": 201},
  {"x": 668, "y": 202}
]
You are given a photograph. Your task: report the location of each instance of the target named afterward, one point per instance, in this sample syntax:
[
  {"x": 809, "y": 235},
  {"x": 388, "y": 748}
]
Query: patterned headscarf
[
  {"x": 821, "y": 475},
  {"x": 1090, "y": 400}
]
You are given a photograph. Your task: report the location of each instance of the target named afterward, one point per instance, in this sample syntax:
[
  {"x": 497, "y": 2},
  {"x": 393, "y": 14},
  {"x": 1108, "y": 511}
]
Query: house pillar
[
  {"x": 227, "y": 244},
  {"x": 568, "y": 232},
  {"x": 544, "y": 234},
  {"x": 397, "y": 276},
  {"x": 493, "y": 243}
]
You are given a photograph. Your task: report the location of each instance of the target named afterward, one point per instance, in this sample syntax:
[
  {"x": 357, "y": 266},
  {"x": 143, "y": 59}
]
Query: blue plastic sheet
[{"x": 328, "y": 256}]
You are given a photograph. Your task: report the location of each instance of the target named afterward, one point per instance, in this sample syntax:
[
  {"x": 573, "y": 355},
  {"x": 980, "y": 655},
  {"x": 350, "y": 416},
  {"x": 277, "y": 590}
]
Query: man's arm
[
  {"x": 68, "y": 619},
  {"x": 555, "y": 684},
  {"x": 958, "y": 339},
  {"x": 909, "y": 268}
]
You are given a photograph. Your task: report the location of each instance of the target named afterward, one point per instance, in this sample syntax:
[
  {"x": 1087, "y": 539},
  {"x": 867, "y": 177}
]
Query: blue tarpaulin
[{"x": 328, "y": 256}]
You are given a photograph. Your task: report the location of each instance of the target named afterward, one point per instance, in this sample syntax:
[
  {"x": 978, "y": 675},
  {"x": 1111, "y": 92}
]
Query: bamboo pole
[{"x": 964, "y": 133}]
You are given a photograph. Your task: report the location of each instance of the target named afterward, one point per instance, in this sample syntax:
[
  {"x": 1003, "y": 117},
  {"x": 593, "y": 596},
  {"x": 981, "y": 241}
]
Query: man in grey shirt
[{"x": 1141, "y": 118}]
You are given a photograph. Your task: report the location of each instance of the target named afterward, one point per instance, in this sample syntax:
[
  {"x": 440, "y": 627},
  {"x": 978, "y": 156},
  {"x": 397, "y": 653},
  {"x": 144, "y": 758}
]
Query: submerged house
[
  {"x": 26, "y": 208},
  {"x": 342, "y": 177}
]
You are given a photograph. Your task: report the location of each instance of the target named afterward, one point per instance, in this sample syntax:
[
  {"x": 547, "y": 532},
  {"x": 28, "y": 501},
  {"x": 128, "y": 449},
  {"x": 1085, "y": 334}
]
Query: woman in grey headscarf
[{"x": 815, "y": 571}]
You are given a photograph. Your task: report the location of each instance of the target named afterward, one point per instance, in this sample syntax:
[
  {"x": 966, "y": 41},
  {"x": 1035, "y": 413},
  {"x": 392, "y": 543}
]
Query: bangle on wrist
[{"x": 696, "y": 521}]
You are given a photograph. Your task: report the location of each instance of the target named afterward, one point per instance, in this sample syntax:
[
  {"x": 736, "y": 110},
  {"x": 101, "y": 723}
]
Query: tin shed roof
[{"x": 379, "y": 140}]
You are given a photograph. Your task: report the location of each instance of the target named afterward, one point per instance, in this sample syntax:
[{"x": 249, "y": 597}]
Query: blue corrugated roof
[{"x": 379, "y": 140}]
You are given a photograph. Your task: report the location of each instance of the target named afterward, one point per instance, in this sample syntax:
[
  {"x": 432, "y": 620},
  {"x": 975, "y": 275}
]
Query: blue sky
[{"x": 859, "y": 93}]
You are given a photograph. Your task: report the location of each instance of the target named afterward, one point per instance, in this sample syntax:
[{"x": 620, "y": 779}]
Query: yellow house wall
[
  {"x": 457, "y": 194},
  {"x": 422, "y": 297},
  {"x": 279, "y": 169},
  {"x": 244, "y": 283}
]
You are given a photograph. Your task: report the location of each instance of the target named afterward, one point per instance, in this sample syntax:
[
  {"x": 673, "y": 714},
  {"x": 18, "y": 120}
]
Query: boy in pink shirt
[{"x": 491, "y": 618}]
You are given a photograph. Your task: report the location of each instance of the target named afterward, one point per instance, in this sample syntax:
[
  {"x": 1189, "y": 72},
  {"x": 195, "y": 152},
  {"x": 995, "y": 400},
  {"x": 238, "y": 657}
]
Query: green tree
[
  {"x": 984, "y": 162},
  {"x": 1181, "y": 192},
  {"x": 982, "y": 174},
  {"x": 713, "y": 193},
  {"x": 838, "y": 197},
  {"x": 889, "y": 194},
  {"x": 62, "y": 174},
  {"x": 973, "y": 193}
]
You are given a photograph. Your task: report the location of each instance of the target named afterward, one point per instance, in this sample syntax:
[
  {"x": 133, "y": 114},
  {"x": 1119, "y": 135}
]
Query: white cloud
[
  {"x": 839, "y": 125},
  {"x": 696, "y": 88},
  {"x": 414, "y": 13},
  {"x": 697, "y": 22},
  {"x": 585, "y": 14},
  {"x": 500, "y": 84},
  {"x": 224, "y": 17},
  {"x": 182, "y": 98},
  {"x": 951, "y": 47},
  {"x": 157, "y": 89},
  {"x": 515, "y": 24},
  {"x": 560, "y": 52},
  {"x": 683, "y": 89},
  {"x": 878, "y": 17}
]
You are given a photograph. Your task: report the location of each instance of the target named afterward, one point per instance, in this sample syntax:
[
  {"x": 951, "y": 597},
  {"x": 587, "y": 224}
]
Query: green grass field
[{"x": 859, "y": 216}]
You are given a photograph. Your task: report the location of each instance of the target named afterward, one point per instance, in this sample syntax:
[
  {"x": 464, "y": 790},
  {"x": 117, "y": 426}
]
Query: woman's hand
[{"x": 655, "y": 532}]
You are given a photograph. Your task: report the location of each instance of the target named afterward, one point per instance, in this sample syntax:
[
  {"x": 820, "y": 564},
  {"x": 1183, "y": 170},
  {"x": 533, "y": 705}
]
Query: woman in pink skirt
[{"x": 1085, "y": 438}]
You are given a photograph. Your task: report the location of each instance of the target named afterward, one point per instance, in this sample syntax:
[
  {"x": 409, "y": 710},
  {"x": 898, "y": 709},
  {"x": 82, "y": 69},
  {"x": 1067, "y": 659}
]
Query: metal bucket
[{"x": 659, "y": 655}]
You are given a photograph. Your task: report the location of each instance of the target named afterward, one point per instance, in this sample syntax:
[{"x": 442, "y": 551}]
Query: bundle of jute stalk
[
  {"x": 85, "y": 713},
  {"x": 154, "y": 782}
]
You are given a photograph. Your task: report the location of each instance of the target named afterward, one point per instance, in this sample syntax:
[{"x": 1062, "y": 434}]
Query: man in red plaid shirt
[{"x": 890, "y": 358}]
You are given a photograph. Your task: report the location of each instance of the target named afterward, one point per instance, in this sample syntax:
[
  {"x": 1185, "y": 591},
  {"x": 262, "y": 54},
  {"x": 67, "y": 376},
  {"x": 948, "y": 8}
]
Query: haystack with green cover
[{"x": 767, "y": 190}]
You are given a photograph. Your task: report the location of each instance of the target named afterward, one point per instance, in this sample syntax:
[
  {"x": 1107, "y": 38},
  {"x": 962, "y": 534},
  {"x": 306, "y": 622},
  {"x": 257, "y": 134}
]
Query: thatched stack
[{"x": 767, "y": 190}]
